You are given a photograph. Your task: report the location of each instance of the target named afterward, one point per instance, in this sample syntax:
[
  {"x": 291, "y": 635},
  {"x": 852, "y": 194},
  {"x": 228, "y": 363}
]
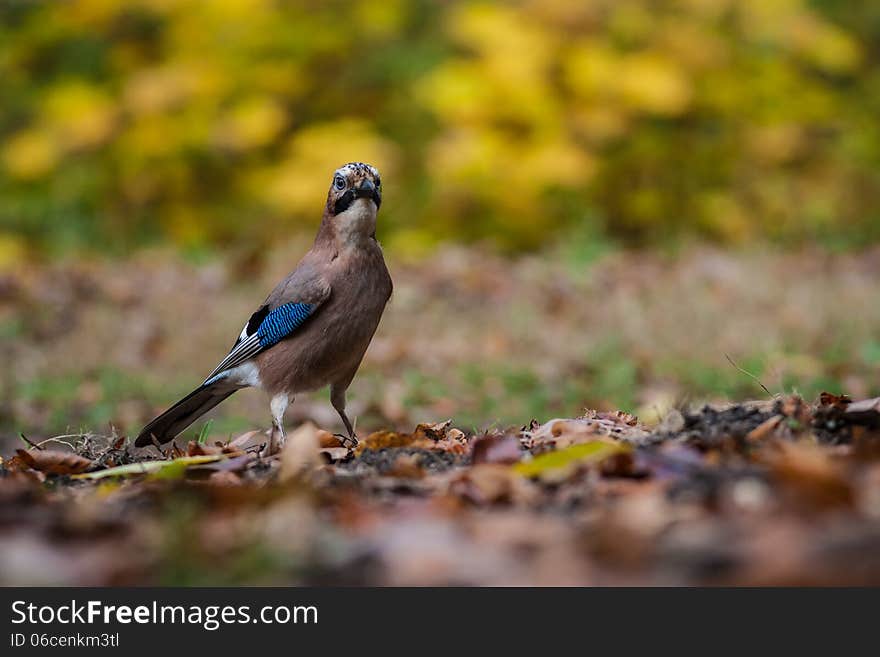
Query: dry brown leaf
[
  {"x": 455, "y": 442},
  {"x": 300, "y": 452},
  {"x": 244, "y": 439},
  {"x": 563, "y": 432},
  {"x": 814, "y": 477},
  {"x": 382, "y": 439},
  {"x": 618, "y": 417},
  {"x": 334, "y": 454},
  {"x": 54, "y": 462},
  {"x": 764, "y": 430},
  {"x": 194, "y": 448},
  {"x": 16, "y": 464},
  {"x": 491, "y": 483},
  {"x": 231, "y": 450},
  {"x": 864, "y": 406},
  {"x": 407, "y": 466},
  {"x": 837, "y": 401},
  {"x": 432, "y": 431},
  {"x": 328, "y": 440},
  {"x": 498, "y": 448}
]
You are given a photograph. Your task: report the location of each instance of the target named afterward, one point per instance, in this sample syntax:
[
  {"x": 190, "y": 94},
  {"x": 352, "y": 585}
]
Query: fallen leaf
[
  {"x": 54, "y": 462},
  {"x": 194, "y": 448},
  {"x": 623, "y": 464},
  {"x": 334, "y": 454},
  {"x": 455, "y": 442},
  {"x": 561, "y": 432},
  {"x": 300, "y": 452},
  {"x": 245, "y": 439},
  {"x": 765, "y": 429},
  {"x": 232, "y": 463},
  {"x": 498, "y": 448},
  {"x": 406, "y": 466},
  {"x": 837, "y": 401},
  {"x": 560, "y": 464},
  {"x": 383, "y": 439},
  {"x": 164, "y": 469},
  {"x": 864, "y": 406},
  {"x": 816, "y": 480},
  {"x": 328, "y": 440},
  {"x": 491, "y": 483},
  {"x": 432, "y": 431}
]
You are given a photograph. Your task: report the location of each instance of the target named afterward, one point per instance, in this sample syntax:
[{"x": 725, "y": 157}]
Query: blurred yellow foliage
[
  {"x": 204, "y": 122},
  {"x": 30, "y": 154},
  {"x": 81, "y": 115},
  {"x": 299, "y": 183},
  {"x": 12, "y": 251}
]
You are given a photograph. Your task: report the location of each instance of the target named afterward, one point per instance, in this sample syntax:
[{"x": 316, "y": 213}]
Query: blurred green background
[
  {"x": 210, "y": 123},
  {"x": 587, "y": 203}
]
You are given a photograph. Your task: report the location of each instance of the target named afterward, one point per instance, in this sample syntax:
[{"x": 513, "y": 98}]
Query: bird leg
[
  {"x": 337, "y": 398},
  {"x": 277, "y": 405}
]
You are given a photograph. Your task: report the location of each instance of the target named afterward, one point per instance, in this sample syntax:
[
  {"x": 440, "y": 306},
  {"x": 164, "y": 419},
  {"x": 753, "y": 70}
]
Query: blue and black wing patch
[
  {"x": 281, "y": 322},
  {"x": 264, "y": 329}
]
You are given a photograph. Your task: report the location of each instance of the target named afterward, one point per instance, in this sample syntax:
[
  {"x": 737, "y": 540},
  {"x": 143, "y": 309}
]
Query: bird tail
[{"x": 189, "y": 409}]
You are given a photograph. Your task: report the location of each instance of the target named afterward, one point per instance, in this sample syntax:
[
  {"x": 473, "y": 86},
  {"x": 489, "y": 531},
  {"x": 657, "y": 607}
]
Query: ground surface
[
  {"x": 486, "y": 340},
  {"x": 776, "y": 492},
  {"x": 779, "y": 491}
]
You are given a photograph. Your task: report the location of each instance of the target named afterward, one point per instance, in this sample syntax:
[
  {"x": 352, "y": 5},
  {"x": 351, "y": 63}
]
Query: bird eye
[{"x": 339, "y": 182}]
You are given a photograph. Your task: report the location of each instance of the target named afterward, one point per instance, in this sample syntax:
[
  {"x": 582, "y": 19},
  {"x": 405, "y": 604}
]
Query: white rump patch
[{"x": 246, "y": 374}]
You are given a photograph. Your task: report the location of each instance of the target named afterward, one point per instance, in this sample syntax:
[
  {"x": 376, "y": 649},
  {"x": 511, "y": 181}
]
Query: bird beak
[{"x": 365, "y": 190}]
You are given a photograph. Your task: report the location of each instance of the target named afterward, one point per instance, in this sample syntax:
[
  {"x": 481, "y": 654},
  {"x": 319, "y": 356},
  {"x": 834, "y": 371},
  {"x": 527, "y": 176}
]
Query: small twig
[
  {"x": 56, "y": 440},
  {"x": 749, "y": 374},
  {"x": 29, "y": 442},
  {"x": 66, "y": 435}
]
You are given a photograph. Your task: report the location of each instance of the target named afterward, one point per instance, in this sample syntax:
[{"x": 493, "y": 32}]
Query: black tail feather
[{"x": 189, "y": 409}]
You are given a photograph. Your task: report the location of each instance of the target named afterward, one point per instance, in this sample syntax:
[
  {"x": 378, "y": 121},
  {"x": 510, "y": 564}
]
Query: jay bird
[{"x": 314, "y": 327}]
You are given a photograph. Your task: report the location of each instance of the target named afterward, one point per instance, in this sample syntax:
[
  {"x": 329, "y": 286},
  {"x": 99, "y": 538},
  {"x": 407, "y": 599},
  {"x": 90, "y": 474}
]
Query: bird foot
[
  {"x": 349, "y": 442},
  {"x": 276, "y": 441}
]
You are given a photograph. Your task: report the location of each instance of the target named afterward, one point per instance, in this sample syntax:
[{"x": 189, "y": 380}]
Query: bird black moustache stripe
[{"x": 345, "y": 201}]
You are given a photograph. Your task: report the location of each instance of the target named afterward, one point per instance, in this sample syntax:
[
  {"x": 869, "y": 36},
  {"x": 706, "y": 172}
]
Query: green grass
[{"x": 204, "y": 432}]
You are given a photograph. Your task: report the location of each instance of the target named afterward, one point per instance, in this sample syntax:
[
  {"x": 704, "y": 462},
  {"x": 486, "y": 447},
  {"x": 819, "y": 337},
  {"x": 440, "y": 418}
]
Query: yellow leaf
[
  {"x": 80, "y": 114},
  {"x": 564, "y": 460},
  {"x": 161, "y": 469},
  {"x": 299, "y": 184},
  {"x": 251, "y": 123},
  {"x": 30, "y": 154},
  {"x": 651, "y": 83}
]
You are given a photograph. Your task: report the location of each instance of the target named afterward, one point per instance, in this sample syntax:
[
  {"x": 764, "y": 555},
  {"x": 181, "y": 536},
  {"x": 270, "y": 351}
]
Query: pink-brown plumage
[{"x": 345, "y": 281}]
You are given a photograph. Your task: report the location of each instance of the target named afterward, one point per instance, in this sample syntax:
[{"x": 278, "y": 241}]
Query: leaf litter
[{"x": 776, "y": 492}]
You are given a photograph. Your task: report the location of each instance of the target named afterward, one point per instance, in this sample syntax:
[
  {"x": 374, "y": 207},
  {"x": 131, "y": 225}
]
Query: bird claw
[{"x": 349, "y": 442}]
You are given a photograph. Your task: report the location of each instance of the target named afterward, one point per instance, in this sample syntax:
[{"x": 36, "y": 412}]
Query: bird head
[{"x": 354, "y": 199}]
